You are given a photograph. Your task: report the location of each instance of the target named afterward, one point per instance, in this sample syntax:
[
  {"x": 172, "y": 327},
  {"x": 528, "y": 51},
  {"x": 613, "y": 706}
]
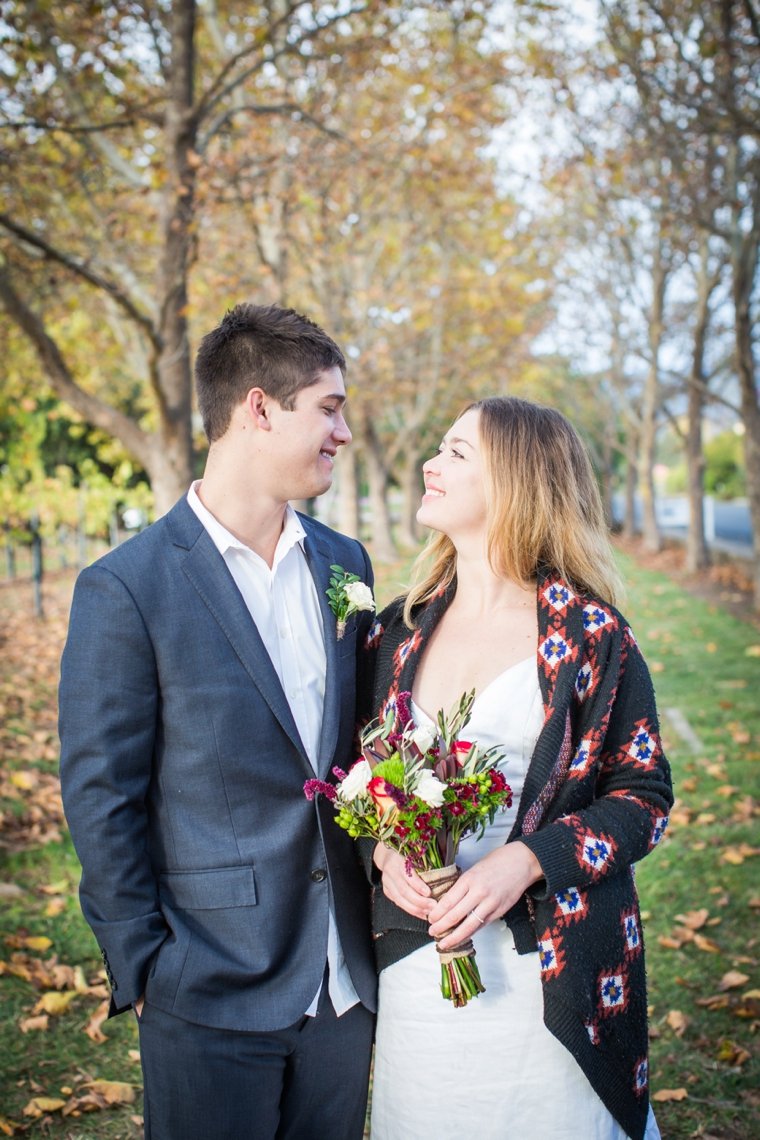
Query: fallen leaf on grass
[
  {"x": 28, "y": 1023},
  {"x": 747, "y": 851},
  {"x": 56, "y": 906},
  {"x": 25, "y": 942},
  {"x": 732, "y": 980},
  {"x": 694, "y": 919},
  {"x": 716, "y": 1001},
  {"x": 670, "y": 1094},
  {"x": 27, "y": 779},
  {"x": 656, "y": 667},
  {"x": 714, "y": 921},
  {"x": 733, "y": 1054},
  {"x": 42, "y": 1104},
  {"x": 92, "y": 1029},
  {"x": 717, "y": 771},
  {"x": 678, "y": 1022},
  {"x": 754, "y": 903},
  {"x": 681, "y": 817},
  {"x": 732, "y": 855},
  {"x": 752, "y": 994},
  {"x": 6, "y": 1127},
  {"x": 133, "y": 1054},
  {"x": 113, "y": 1092},
  {"x": 727, "y": 790},
  {"x": 10, "y": 891},
  {"x": 752, "y": 651},
  {"x": 55, "y": 1002},
  {"x": 669, "y": 943},
  {"x": 705, "y": 817},
  {"x": 138, "y": 1120},
  {"x": 706, "y": 944}
]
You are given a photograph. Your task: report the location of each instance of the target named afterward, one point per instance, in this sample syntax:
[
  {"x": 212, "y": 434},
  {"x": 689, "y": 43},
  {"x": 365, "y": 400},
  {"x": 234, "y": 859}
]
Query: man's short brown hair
[{"x": 259, "y": 346}]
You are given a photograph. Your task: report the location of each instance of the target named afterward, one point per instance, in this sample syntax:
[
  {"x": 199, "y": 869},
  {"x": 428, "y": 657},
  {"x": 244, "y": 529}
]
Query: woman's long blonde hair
[{"x": 543, "y": 507}]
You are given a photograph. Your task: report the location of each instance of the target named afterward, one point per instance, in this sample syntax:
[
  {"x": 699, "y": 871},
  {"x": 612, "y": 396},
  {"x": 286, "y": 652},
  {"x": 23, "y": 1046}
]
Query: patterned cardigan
[{"x": 595, "y": 800}]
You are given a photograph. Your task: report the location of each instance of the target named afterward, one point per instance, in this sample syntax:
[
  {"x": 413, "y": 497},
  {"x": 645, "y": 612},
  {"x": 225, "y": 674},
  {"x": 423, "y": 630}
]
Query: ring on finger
[{"x": 475, "y": 914}]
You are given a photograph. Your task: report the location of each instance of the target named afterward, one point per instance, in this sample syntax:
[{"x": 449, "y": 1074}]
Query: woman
[{"x": 516, "y": 603}]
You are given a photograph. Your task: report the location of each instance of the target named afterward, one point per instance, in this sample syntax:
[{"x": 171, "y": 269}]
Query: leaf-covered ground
[{"x": 700, "y": 889}]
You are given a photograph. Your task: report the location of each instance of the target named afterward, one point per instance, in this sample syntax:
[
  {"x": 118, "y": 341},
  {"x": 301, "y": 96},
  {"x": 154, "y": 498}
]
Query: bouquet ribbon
[{"x": 441, "y": 880}]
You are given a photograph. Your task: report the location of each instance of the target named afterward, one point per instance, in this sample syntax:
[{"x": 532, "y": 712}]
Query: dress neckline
[{"x": 490, "y": 685}]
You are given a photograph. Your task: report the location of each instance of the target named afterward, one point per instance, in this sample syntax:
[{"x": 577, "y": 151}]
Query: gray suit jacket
[{"x": 207, "y": 873}]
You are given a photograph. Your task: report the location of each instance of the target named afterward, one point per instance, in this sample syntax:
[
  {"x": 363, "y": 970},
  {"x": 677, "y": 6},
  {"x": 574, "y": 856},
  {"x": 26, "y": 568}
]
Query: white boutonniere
[{"x": 347, "y": 594}]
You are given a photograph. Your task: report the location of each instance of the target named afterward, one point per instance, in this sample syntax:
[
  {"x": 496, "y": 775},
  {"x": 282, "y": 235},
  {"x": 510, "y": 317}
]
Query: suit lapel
[
  {"x": 319, "y": 558},
  {"x": 207, "y": 571}
]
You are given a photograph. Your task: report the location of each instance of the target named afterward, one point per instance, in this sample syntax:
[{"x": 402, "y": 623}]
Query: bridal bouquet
[{"x": 420, "y": 792}]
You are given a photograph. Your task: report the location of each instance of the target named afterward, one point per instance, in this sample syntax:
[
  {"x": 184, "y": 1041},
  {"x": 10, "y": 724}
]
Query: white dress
[{"x": 443, "y": 1073}]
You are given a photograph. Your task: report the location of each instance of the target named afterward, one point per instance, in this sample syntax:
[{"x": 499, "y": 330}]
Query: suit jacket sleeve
[
  {"x": 633, "y": 793},
  {"x": 108, "y": 706}
]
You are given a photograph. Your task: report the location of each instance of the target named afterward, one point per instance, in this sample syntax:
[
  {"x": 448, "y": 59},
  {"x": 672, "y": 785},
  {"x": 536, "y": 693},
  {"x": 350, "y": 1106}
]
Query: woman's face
[{"x": 454, "y": 501}]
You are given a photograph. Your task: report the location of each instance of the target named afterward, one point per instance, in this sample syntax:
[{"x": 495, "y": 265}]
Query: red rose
[{"x": 377, "y": 789}]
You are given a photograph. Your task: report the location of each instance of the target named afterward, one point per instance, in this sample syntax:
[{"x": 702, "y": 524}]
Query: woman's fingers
[
  {"x": 460, "y": 912},
  {"x": 461, "y": 933},
  {"x": 448, "y": 901}
]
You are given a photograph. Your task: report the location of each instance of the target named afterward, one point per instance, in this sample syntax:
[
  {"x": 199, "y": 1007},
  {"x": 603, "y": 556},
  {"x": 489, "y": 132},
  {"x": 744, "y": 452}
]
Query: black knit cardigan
[{"x": 595, "y": 800}]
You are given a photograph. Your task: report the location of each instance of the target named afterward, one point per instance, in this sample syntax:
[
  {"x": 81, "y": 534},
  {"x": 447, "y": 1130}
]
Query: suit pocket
[{"x": 208, "y": 890}]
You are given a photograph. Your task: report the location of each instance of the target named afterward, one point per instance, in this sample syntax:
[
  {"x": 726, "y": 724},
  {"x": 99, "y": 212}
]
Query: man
[{"x": 202, "y": 685}]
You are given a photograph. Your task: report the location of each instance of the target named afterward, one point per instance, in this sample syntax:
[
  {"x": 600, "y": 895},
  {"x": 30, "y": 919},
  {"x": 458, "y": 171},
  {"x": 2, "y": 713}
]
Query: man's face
[{"x": 302, "y": 443}]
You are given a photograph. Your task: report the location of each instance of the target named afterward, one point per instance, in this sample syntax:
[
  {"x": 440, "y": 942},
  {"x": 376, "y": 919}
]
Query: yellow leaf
[
  {"x": 134, "y": 1054},
  {"x": 656, "y": 667},
  {"x": 731, "y": 855},
  {"x": 115, "y": 1092},
  {"x": 752, "y": 651},
  {"x": 694, "y": 919},
  {"x": 28, "y": 1023},
  {"x": 670, "y": 1094},
  {"x": 92, "y": 1029},
  {"x": 37, "y": 943},
  {"x": 711, "y": 647},
  {"x": 55, "y": 1002},
  {"x": 80, "y": 982},
  {"x": 732, "y": 1054},
  {"x": 6, "y": 1128},
  {"x": 752, "y": 994},
  {"x": 669, "y": 943},
  {"x": 732, "y": 980},
  {"x": 55, "y": 906},
  {"x": 706, "y": 944},
  {"x": 56, "y": 888},
  {"x": 25, "y": 780},
  {"x": 705, "y": 817},
  {"x": 678, "y": 1022},
  {"x": 747, "y": 851},
  {"x": 42, "y": 1104}
]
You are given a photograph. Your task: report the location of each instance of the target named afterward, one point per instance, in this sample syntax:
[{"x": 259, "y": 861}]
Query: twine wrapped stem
[{"x": 460, "y": 977}]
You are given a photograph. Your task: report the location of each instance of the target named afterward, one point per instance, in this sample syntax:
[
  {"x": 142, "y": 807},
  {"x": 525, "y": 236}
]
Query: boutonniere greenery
[{"x": 347, "y": 594}]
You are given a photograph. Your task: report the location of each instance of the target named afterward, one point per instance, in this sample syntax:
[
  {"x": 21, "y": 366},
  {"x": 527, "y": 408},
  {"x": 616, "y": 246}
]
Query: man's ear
[{"x": 257, "y": 406}]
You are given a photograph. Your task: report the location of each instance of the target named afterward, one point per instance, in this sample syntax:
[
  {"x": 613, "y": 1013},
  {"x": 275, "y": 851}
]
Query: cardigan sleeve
[{"x": 633, "y": 794}]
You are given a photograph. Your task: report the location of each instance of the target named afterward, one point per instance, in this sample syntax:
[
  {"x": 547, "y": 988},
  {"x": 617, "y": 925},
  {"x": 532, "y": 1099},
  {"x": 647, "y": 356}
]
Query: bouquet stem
[
  {"x": 340, "y": 629},
  {"x": 460, "y": 977}
]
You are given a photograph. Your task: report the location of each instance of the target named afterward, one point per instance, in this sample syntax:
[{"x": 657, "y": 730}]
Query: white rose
[
  {"x": 360, "y": 596},
  {"x": 424, "y": 737},
  {"x": 430, "y": 789},
  {"x": 356, "y": 781}
]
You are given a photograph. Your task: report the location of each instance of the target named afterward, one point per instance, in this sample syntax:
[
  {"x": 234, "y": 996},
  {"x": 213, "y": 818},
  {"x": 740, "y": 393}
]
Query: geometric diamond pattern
[
  {"x": 640, "y": 1075},
  {"x": 631, "y": 931},
  {"x": 571, "y": 903},
  {"x": 658, "y": 830},
  {"x": 550, "y": 955},
  {"x": 643, "y": 747},
  {"x": 595, "y": 618},
  {"x": 612, "y": 991},
  {"x": 554, "y": 650},
  {"x": 596, "y": 852},
  {"x": 558, "y": 596},
  {"x": 582, "y": 757},
  {"x": 584, "y": 681}
]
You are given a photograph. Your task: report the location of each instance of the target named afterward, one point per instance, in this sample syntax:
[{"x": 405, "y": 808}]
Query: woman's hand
[
  {"x": 489, "y": 888},
  {"x": 405, "y": 889}
]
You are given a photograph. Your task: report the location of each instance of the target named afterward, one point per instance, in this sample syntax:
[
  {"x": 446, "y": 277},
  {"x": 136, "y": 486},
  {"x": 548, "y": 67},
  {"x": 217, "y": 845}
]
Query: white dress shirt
[{"x": 284, "y": 605}]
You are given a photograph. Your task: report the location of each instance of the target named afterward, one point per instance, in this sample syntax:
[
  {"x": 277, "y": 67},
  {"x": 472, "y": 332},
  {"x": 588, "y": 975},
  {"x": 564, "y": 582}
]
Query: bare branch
[
  {"x": 87, "y": 274},
  {"x": 95, "y": 411},
  {"x": 264, "y": 109},
  {"x": 75, "y": 129}
]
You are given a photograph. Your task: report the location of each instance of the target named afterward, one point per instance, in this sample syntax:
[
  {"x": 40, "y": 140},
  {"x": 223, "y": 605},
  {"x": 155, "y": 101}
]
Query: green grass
[{"x": 686, "y": 872}]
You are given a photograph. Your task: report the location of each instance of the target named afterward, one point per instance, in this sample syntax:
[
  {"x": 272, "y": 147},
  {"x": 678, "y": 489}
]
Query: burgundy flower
[
  {"x": 314, "y": 788},
  {"x": 339, "y": 774},
  {"x": 402, "y": 707},
  {"x": 457, "y": 808}
]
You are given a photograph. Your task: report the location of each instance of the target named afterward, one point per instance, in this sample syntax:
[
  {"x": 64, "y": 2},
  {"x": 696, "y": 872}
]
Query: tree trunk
[
  {"x": 411, "y": 491},
  {"x": 631, "y": 479},
  {"x": 174, "y": 372},
  {"x": 348, "y": 492},
  {"x": 743, "y": 274},
  {"x": 697, "y": 554},
  {"x": 383, "y": 548},
  {"x": 650, "y": 406},
  {"x": 606, "y": 477}
]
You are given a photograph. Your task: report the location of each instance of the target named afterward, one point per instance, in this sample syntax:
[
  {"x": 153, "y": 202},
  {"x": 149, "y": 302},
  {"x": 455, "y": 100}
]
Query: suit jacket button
[{"x": 319, "y": 875}]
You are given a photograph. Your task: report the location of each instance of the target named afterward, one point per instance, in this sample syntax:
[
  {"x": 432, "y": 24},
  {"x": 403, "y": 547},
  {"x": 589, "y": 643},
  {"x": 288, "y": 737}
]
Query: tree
[{"x": 108, "y": 129}]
